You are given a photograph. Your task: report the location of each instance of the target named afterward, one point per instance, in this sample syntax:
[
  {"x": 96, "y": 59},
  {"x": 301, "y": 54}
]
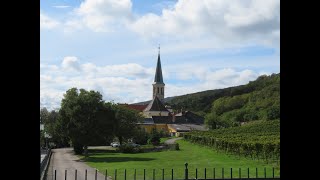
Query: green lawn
[{"x": 196, "y": 156}]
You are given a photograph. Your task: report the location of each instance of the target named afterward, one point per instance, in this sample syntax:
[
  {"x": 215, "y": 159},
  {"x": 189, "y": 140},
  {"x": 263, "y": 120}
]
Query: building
[{"x": 161, "y": 117}]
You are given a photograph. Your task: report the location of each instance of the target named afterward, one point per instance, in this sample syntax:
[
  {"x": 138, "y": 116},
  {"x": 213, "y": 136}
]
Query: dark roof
[
  {"x": 135, "y": 107},
  {"x": 155, "y": 105},
  {"x": 162, "y": 119},
  {"x": 158, "y": 76}
]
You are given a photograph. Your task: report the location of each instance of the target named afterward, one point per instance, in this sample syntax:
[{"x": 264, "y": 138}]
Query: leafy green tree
[
  {"x": 79, "y": 114},
  {"x": 125, "y": 125},
  {"x": 211, "y": 120}
]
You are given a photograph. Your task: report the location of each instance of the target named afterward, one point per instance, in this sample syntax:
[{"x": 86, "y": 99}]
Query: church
[{"x": 162, "y": 118}]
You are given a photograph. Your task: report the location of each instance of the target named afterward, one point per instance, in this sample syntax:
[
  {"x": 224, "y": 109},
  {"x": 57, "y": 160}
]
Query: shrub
[
  {"x": 129, "y": 149},
  {"x": 177, "y": 146},
  {"x": 78, "y": 148}
]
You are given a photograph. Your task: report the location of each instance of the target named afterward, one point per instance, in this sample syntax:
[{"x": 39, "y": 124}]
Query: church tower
[{"x": 158, "y": 85}]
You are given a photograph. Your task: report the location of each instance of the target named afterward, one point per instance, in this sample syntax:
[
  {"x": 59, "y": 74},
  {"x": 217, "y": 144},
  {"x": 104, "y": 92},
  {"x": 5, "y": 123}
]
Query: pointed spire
[{"x": 158, "y": 76}]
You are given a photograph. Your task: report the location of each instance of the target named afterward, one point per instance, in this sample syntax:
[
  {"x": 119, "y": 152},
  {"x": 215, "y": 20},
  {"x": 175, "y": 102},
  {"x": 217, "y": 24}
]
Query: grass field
[{"x": 196, "y": 156}]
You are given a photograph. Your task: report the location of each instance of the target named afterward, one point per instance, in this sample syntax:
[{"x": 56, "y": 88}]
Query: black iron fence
[{"x": 170, "y": 174}]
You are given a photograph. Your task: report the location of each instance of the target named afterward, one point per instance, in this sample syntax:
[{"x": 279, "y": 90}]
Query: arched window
[
  {"x": 162, "y": 91},
  {"x": 158, "y": 90}
]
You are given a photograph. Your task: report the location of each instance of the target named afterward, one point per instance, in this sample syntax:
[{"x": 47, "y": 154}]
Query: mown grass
[{"x": 196, "y": 156}]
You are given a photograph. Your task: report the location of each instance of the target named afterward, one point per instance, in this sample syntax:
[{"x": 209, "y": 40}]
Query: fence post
[
  {"x": 65, "y": 174},
  {"x": 248, "y": 174},
  {"x": 239, "y": 173},
  {"x": 154, "y": 174},
  {"x": 135, "y": 174},
  {"x": 273, "y": 172},
  {"x": 265, "y": 173},
  {"x": 55, "y": 174},
  {"x": 196, "y": 173},
  {"x": 75, "y": 175},
  {"x": 106, "y": 174},
  {"x": 144, "y": 174},
  {"x": 186, "y": 172},
  {"x": 231, "y": 172},
  {"x": 214, "y": 173},
  {"x": 256, "y": 172},
  {"x": 96, "y": 175},
  {"x": 162, "y": 174},
  {"x": 171, "y": 174},
  {"x": 86, "y": 175},
  {"x": 125, "y": 174},
  {"x": 115, "y": 174},
  {"x": 222, "y": 173},
  {"x": 205, "y": 173}
]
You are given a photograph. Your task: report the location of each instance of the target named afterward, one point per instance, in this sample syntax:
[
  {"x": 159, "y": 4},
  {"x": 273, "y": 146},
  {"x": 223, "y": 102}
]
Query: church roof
[
  {"x": 158, "y": 76},
  {"x": 139, "y": 108},
  {"x": 155, "y": 105}
]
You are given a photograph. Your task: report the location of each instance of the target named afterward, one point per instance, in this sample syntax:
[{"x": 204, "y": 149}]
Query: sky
[{"x": 111, "y": 46}]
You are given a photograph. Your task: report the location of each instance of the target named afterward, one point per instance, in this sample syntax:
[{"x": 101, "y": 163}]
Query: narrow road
[
  {"x": 172, "y": 141},
  {"x": 64, "y": 159}
]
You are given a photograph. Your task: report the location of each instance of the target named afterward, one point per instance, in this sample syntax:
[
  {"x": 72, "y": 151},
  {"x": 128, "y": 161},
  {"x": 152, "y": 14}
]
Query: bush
[
  {"x": 78, "y": 148},
  {"x": 129, "y": 149},
  {"x": 177, "y": 146}
]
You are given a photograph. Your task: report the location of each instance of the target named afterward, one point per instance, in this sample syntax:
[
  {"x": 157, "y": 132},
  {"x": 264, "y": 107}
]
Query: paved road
[
  {"x": 172, "y": 141},
  {"x": 64, "y": 159}
]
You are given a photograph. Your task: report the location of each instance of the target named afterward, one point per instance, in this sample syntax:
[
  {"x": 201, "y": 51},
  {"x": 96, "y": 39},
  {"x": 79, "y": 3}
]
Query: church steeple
[
  {"x": 158, "y": 76},
  {"x": 158, "y": 85}
]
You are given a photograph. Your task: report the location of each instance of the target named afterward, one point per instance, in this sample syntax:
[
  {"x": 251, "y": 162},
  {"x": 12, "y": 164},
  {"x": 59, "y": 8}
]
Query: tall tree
[{"x": 81, "y": 114}]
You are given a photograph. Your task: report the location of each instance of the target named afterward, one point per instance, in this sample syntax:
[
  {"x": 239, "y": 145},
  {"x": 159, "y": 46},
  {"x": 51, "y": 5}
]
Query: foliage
[
  {"x": 258, "y": 139},
  {"x": 125, "y": 124},
  {"x": 85, "y": 117},
  {"x": 261, "y": 104},
  {"x": 154, "y": 137},
  {"x": 202, "y": 101},
  {"x": 129, "y": 149}
]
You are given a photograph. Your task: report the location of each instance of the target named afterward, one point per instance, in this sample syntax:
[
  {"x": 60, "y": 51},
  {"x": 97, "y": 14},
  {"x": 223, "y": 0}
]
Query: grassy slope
[{"x": 196, "y": 156}]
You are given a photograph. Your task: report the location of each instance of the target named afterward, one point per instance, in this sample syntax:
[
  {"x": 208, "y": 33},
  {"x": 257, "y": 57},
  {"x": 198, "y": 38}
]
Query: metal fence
[
  {"x": 44, "y": 164},
  {"x": 215, "y": 173}
]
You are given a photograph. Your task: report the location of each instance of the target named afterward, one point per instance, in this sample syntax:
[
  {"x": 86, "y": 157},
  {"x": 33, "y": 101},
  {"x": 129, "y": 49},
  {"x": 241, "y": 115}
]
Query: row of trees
[{"x": 85, "y": 119}]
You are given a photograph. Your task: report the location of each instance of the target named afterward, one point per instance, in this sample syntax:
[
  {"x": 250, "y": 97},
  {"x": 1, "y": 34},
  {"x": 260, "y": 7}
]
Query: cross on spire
[{"x": 159, "y": 48}]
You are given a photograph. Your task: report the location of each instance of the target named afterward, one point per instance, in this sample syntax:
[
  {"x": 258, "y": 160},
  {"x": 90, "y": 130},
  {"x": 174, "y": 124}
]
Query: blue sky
[{"x": 111, "y": 46}]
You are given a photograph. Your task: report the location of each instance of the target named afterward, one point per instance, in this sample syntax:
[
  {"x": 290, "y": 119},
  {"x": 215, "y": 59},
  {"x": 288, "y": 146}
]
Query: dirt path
[
  {"x": 64, "y": 159},
  {"x": 172, "y": 141}
]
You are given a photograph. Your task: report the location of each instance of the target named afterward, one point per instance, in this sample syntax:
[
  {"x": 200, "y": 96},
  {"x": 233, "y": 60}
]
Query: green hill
[{"x": 202, "y": 101}]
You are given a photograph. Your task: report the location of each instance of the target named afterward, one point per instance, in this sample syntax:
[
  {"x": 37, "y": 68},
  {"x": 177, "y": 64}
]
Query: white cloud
[
  {"x": 71, "y": 63},
  {"x": 129, "y": 83},
  {"x": 47, "y": 22},
  {"x": 231, "y": 21},
  {"x": 99, "y": 15}
]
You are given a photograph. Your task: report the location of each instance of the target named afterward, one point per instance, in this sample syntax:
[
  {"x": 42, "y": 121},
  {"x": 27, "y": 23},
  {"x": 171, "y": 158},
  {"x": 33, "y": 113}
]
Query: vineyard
[{"x": 257, "y": 140}]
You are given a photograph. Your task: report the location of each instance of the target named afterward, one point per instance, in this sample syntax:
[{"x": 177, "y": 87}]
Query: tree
[
  {"x": 80, "y": 113},
  {"x": 154, "y": 137},
  {"x": 126, "y": 120},
  {"x": 211, "y": 120}
]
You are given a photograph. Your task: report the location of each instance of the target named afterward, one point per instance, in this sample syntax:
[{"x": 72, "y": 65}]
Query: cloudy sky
[{"x": 111, "y": 46}]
